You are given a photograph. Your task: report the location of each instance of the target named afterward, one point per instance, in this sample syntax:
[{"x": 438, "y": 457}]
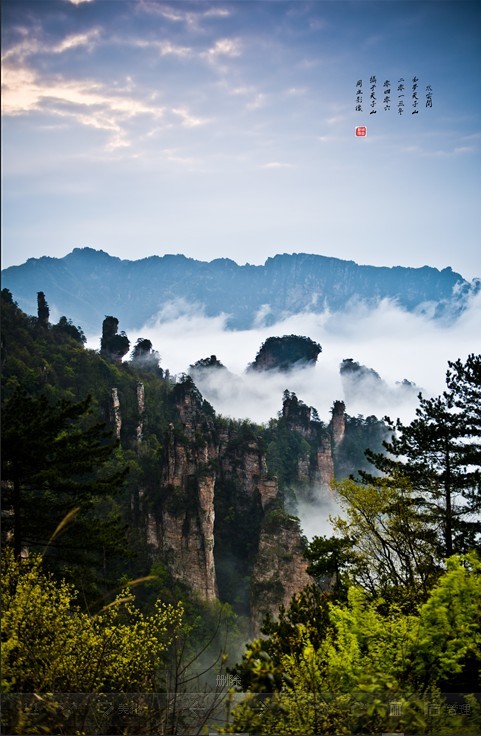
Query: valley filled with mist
[{"x": 396, "y": 344}]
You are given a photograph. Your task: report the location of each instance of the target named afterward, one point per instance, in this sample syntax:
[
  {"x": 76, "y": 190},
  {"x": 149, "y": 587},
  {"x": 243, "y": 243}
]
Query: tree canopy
[
  {"x": 283, "y": 353},
  {"x": 58, "y": 461},
  {"x": 371, "y": 670},
  {"x": 439, "y": 452}
]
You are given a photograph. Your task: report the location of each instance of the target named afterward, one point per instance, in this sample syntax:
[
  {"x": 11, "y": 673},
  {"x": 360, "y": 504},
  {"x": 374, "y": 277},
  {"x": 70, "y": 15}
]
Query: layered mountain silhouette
[{"x": 86, "y": 284}]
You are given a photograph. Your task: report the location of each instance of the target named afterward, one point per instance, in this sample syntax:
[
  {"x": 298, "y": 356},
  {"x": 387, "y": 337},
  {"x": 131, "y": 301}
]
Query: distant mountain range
[{"x": 88, "y": 284}]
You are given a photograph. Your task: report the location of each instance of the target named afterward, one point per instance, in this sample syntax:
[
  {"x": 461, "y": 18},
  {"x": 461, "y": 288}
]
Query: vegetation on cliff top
[{"x": 285, "y": 353}]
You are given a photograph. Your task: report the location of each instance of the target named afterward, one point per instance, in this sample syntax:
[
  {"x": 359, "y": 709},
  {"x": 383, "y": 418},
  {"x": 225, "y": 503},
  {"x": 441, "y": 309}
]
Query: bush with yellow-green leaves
[
  {"x": 372, "y": 658},
  {"x": 51, "y": 646}
]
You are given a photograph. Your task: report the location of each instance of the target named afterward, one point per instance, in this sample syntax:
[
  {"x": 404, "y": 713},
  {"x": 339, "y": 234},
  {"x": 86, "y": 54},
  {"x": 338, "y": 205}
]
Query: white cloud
[
  {"x": 215, "y": 12},
  {"x": 189, "y": 120},
  {"x": 396, "y": 344},
  {"x": 276, "y": 165},
  {"x": 242, "y": 90},
  {"x": 30, "y": 45},
  {"x": 314, "y": 516},
  {"x": 224, "y": 47},
  {"x": 76, "y": 40},
  {"x": 178, "y": 15},
  {"x": 165, "y": 48},
  {"x": 257, "y": 98},
  {"x": 85, "y": 102}
]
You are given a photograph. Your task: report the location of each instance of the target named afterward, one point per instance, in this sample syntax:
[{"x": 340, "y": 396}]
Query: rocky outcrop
[
  {"x": 215, "y": 517},
  {"x": 296, "y": 414},
  {"x": 43, "y": 312},
  {"x": 244, "y": 490},
  {"x": 113, "y": 346},
  {"x": 285, "y": 353},
  {"x": 315, "y": 464},
  {"x": 338, "y": 422},
  {"x": 115, "y": 415},
  {"x": 279, "y": 570},
  {"x": 325, "y": 464},
  {"x": 140, "y": 412},
  {"x": 182, "y": 531}
]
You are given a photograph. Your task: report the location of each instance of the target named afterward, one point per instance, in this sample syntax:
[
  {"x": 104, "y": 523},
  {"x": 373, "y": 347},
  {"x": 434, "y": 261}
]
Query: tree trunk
[{"x": 448, "y": 527}]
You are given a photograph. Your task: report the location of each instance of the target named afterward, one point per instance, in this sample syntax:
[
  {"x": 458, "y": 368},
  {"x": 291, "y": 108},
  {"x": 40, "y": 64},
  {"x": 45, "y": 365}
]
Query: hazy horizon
[{"x": 260, "y": 261}]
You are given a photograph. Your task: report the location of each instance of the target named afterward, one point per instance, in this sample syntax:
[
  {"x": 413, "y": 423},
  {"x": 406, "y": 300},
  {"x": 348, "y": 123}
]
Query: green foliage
[
  {"x": 7, "y": 297},
  {"x": 260, "y": 669},
  {"x": 42, "y": 310},
  {"x": 210, "y": 362},
  {"x": 66, "y": 326},
  {"x": 365, "y": 658},
  {"x": 440, "y": 453},
  {"x": 448, "y": 640},
  {"x": 388, "y": 550},
  {"x": 236, "y": 541},
  {"x": 145, "y": 357},
  {"x": 333, "y": 661},
  {"x": 50, "y": 646},
  {"x": 282, "y": 353},
  {"x": 328, "y": 559},
  {"x": 55, "y": 460},
  {"x": 286, "y": 447}
]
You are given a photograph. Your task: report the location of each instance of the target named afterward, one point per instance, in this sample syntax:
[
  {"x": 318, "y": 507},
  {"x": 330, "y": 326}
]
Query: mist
[
  {"x": 315, "y": 515},
  {"x": 396, "y": 344}
]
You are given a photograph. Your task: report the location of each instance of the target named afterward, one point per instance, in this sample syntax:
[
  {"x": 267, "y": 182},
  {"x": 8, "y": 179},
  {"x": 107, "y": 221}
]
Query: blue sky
[{"x": 226, "y": 129}]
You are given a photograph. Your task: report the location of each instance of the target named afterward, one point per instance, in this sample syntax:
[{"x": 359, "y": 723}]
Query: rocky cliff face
[
  {"x": 315, "y": 465},
  {"x": 216, "y": 518},
  {"x": 279, "y": 570},
  {"x": 338, "y": 422},
  {"x": 115, "y": 416},
  {"x": 180, "y": 530}
]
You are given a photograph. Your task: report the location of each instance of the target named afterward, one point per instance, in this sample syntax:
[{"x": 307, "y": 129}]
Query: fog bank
[{"x": 396, "y": 344}]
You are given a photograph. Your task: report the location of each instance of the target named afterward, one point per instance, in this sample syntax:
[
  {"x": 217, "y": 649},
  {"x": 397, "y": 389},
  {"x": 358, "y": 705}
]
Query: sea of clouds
[{"x": 396, "y": 344}]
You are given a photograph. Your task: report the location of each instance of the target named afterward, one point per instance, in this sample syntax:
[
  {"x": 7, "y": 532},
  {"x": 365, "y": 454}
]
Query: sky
[{"x": 227, "y": 129}]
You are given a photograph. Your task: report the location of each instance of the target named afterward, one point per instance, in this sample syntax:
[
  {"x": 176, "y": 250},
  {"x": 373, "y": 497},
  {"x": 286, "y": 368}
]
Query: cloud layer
[{"x": 394, "y": 343}]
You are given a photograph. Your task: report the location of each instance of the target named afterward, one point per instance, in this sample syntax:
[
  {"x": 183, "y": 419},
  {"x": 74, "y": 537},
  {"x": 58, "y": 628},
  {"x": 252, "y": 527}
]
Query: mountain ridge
[{"x": 86, "y": 282}]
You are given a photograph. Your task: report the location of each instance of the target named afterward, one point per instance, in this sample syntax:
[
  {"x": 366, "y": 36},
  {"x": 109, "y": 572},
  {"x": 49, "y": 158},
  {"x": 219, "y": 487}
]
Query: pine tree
[
  {"x": 464, "y": 395},
  {"x": 42, "y": 309},
  {"x": 58, "y": 465},
  {"x": 440, "y": 453}
]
